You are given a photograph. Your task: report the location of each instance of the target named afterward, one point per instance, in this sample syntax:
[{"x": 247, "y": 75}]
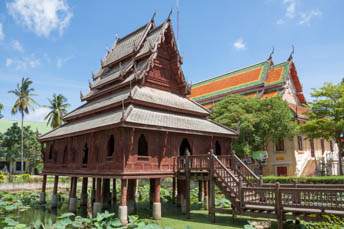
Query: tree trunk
[{"x": 22, "y": 142}]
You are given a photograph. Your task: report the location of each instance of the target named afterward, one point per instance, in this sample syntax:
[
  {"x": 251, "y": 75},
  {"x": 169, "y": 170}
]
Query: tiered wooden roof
[
  {"x": 140, "y": 84},
  {"x": 263, "y": 80}
]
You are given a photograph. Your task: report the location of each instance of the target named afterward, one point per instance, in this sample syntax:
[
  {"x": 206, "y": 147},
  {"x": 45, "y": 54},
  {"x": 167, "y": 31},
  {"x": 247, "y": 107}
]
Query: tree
[
  {"x": 258, "y": 120},
  {"x": 10, "y": 146},
  {"x": 326, "y": 116},
  {"x": 23, "y": 104},
  {"x": 58, "y": 108},
  {"x": 1, "y": 108}
]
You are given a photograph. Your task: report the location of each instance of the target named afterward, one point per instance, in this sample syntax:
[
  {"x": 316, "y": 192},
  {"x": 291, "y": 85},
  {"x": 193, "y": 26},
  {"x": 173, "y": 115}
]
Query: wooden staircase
[{"x": 249, "y": 195}]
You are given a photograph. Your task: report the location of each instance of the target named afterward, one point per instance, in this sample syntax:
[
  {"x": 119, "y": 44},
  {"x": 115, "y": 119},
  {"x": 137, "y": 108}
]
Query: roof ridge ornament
[
  {"x": 93, "y": 76},
  {"x": 153, "y": 16},
  {"x": 81, "y": 95},
  {"x": 291, "y": 55},
  {"x": 271, "y": 53},
  {"x": 169, "y": 15}
]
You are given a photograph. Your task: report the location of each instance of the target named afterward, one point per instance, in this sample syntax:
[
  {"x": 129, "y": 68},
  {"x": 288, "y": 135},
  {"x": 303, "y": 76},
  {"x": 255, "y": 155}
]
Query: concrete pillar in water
[
  {"x": 42, "y": 194},
  {"x": 98, "y": 205},
  {"x": 156, "y": 200},
  {"x": 54, "y": 200},
  {"x": 123, "y": 208},
  {"x": 72, "y": 195}
]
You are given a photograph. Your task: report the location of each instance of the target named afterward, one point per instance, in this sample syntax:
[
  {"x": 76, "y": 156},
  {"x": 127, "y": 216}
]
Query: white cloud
[
  {"x": 41, "y": 16},
  {"x": 23, "y": 63},
  {"x": 293, "y": 12},
  {"x": 239, "y": 44},
  {"x": 16, "y": 45},
  {"x": 8, "y": 62},
  {"x": 306, "y": 17},
  {"x": 290, "y": 10},
  {"x": 61, "y": 61},
  {"x": 38, "y": 114},
  {"x": 2, "y": 34}
]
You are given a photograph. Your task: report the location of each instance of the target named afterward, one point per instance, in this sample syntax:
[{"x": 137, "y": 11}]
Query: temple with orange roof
[{"x": 296, "y": 156}]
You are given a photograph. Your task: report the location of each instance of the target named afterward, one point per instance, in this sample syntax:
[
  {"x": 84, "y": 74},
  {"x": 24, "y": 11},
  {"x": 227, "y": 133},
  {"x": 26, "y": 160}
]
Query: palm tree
[
  {"x": 23, "y": 105},
  {"x": 58, "y": 108}
]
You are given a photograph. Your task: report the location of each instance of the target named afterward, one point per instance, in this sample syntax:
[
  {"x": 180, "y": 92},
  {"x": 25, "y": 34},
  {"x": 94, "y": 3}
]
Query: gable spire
[
  {"x": 153, "y": 16},
  {"x": 271, "y": 53},
  {"x": 169, "y": 15},
  {"x": 290, "y": 58}
]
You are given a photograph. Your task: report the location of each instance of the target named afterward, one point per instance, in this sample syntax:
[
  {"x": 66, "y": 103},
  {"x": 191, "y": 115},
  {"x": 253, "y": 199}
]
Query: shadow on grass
[{"x": 173, "y": 218}]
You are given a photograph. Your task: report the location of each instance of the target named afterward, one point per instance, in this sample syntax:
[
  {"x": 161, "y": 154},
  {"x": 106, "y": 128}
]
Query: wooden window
[
  {"x": 311, "y": 141},
  {"x": 50, "y": 153},
  {"x": 184, "y": 148},
  {"x": 85, "y": 155},
  {"x": 142, "y": 146},
  {"x": 322, "y": 144},
  {"x": 282, "y": 171},
  {"x": 217, "y": 148},
  {"x": 280, "y": 144},
  {"x": 65, "y": 155},
  {"x": 300, "y": 142},
  {"x": 111, "y": 146}
]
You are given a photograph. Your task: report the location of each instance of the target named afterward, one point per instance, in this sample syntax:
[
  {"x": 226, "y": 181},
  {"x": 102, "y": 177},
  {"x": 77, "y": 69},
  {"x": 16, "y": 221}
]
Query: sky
[{"x": 59, "y": 43}]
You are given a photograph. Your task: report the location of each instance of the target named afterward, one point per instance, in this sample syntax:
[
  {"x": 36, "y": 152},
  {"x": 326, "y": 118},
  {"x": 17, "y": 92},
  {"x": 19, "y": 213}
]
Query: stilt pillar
[
  {"x": 42, "y": 194},
  {"x": 93, "y": 191},
  {"x": 72, "y": 195},
  {"x": 131, "y": 195},
  {"x": 180, "y": 191},
  {"x": 200, "y": 191},
  {"x": 174, "y": 190},
  {"x": 106, "y": 193},
  {"x": 123, "y": 207},
  {"x": 97, "y": 205},
  {"x": 206, "y": 198},
  {"x": 54, "y": 199},
  {"x": 151, "y": 191},
  {"x": 114, "y": 193},
  {"x": 84, "y": 197},
  {"x": 156, "y": 200}
]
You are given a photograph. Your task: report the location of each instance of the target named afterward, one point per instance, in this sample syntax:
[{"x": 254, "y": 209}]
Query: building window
[
  {"x": 322, "y": 144},
  {"x": 184, "y": 148},
  {"x": 111, "y": 146},
  {"x": 85, "y": 155},
  {"x": 280, "y": 144},
  {"x": 217, "y": 148},
  {"x": 311, "y": 142},
  {"x": 65, "y": 155},
  {"x": 142, "y": 146},
  {"x": 19, "y": 167},
  {"x": 300, "y": 142}
]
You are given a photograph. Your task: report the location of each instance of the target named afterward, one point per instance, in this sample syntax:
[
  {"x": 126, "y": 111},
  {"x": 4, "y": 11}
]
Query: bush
[
  {"x": 305, "y": 180},
  {"x": 22, "y": 178},
  {"x": 2, "y": 178}
]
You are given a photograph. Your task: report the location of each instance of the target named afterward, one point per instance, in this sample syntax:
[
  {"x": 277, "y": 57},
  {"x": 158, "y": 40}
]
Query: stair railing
[
  {"x": 243, "y": 171},
  {"x": 225, "y": 176}
]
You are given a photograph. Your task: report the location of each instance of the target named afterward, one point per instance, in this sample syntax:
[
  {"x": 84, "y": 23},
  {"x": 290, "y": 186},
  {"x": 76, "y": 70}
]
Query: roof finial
[
  {"x": 271, "y": 53},
  {"x": 81, "y": 95},
  {"x": 93, "y": 75},
  {"x": 89, "y": 84},
  {"x": 153, "y": 16},
  {"x": 169, "y": 15},
  {"x": 291, "y": 54}
]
